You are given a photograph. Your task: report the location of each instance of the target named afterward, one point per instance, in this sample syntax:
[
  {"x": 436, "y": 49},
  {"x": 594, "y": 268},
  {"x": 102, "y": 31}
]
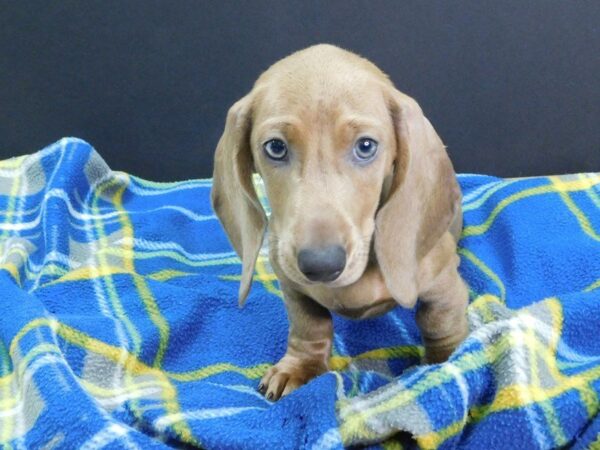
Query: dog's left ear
[
  {"x": 424, "y": 196},
  {"x": 233, "y": 195}
]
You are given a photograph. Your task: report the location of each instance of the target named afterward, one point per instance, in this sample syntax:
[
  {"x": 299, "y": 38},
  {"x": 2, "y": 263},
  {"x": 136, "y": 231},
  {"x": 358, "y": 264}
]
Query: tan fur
[{"x": 398, "y": 217}]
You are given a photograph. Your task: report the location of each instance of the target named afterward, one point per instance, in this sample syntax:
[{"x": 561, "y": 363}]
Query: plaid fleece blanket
[{"x": 119, "y": 325}]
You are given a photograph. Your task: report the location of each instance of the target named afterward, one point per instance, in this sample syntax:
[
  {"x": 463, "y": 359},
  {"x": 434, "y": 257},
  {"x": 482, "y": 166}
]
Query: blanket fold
[{"x": 120, "y": 326}]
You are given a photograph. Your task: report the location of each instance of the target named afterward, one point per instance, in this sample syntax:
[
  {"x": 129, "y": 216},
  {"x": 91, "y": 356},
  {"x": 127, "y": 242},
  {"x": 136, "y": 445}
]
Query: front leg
[
  {"x": 442, "y": 307},
  {"x": 308, "y": 350}
]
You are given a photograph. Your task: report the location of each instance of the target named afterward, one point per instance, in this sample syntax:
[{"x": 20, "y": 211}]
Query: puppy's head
[{"x": 344, "y": 157}]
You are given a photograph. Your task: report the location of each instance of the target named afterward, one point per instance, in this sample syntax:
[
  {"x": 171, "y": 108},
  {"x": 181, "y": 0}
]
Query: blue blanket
[{"x": 119, "y": 324}]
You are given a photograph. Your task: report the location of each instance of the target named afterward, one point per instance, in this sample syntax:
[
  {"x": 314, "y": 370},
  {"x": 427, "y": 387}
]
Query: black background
[{"x": 513, "y": 87}]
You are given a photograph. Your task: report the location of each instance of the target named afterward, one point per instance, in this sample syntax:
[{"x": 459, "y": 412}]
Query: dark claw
[
  {"x": 270, "y": 395},
  {"x": 261, "y": 388}
]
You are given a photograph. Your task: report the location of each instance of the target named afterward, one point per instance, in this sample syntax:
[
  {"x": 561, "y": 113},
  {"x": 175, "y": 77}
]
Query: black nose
[{"x": 322, "y": 264}]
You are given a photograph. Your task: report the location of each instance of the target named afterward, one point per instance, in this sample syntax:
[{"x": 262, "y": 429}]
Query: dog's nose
[{"x": 322, "y": 264}]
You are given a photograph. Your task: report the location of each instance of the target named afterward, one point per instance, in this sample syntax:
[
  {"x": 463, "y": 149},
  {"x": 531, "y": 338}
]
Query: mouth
[
  {"x": 334, "y": 280},
  {"x": 323, "y": 278},
  {"x": 302, "y": 279}
]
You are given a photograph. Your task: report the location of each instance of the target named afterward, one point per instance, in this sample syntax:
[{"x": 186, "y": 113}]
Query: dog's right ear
[
  {"x": 423, "y": 201},
  {"x": 233, "y": 195}
]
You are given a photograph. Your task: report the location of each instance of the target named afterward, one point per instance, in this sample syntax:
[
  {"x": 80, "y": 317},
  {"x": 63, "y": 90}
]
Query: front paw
[
  {"x": 438, "y": 354},
  {"x": 439, "y": 350},
  {"x": 288, "y": 374}
]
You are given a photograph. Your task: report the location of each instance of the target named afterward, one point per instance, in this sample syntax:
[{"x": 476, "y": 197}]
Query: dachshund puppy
[{"x": 366, "y": 209}]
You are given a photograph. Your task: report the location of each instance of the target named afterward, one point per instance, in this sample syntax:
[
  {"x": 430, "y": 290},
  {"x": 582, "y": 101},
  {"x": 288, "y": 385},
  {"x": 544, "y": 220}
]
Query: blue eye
[
  {"x": 275, "y": 149},
  {"x": 365, "y": 149}
]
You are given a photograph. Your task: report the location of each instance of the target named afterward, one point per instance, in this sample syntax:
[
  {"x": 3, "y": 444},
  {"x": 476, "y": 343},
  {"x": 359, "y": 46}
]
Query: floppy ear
[
  {"x": 423, "y": 199},
  {"x": 233, "y": 195}
]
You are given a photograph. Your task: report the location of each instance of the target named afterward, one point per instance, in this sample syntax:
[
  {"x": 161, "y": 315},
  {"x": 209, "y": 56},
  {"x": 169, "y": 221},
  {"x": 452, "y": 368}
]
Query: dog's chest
[{"x": 367, "y": 297}]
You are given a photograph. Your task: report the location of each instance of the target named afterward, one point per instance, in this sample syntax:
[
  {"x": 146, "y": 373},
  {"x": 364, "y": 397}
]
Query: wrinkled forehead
[{"x": 326, "y": 98}]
